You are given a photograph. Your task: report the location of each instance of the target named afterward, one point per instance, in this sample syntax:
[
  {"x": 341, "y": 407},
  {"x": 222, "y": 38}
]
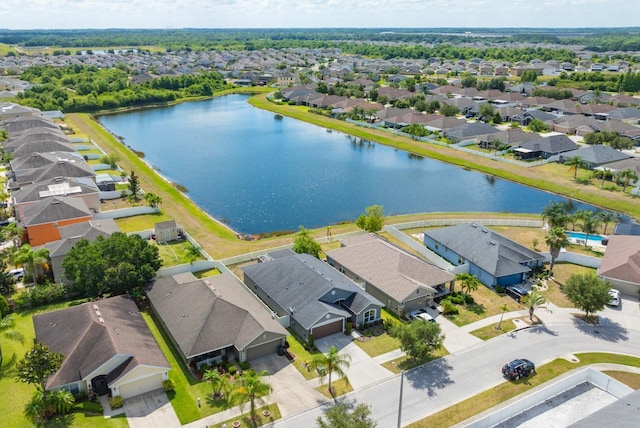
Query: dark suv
[{"x": 517, "y": 369}]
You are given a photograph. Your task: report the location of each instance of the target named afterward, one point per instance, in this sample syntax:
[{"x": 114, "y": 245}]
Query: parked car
[
  {"x": 424, "y": 316},
  {"x": 614, "y": 297},
  {"x": 17, "y": 274},
  {"x": 518, "y": 368},
  {"x": 516, "y": 292},
  {"x": 411, "y": 315}
]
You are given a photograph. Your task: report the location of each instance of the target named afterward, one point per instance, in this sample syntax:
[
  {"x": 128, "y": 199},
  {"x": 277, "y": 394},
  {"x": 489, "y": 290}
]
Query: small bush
[
  {"x": 232, "y": 370},
  {"x": 168, "y": 385},
  {"x": 449, "y": 308},
  {"x": 469, "y": 299},
  {"x": 116, "y": 402},
  {"x": 499, "y": 289},
  {"x": 457, "y": 299},
  {"x": 348, "y": 328},
  {"x": 245, "y": 365}
]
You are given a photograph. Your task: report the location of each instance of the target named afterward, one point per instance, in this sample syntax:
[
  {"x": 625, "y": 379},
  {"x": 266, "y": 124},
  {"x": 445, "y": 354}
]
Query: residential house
[
  {"x": 318, "y": 299},
  {"x": 569, "y": 124},
  {"x": 43, "y": 219},
  {"x": 595, "y": 155},
  {"x": 70, "y": 235},
  {"x": 9, "y": 111},
  {"x": 525, "y": 118},
  {"x": 470, "y": 131},
  {"x": 22, "y": 123},
  {"x": 621, "y": 264},
  {"x": 632, "y": 163},
  {"x": 83, "y": 188},
  {"x": 107, "y": 348},
  {"x": 442, "y": 122},
  {"x": 68, "y": 167},
  {"x": 545, "y": 147},
  {"x": 24, "y": 164},
  {"x": 510, "y": 136},
  {"x": 402, "y": 281},
  {"x": 212, "y": 318},
  {"x": 492, "y": 258}
]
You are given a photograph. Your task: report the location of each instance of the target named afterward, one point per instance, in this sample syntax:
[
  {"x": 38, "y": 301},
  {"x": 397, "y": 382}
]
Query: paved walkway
[{"x": 152, "y": 410}]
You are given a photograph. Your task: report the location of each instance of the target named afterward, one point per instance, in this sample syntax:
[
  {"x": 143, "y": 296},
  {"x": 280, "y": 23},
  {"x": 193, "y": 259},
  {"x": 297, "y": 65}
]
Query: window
[
  {"x": 437, "y": 245},
  {"x": 370, "y": 316},
  {"x": 72, "y": 388}
]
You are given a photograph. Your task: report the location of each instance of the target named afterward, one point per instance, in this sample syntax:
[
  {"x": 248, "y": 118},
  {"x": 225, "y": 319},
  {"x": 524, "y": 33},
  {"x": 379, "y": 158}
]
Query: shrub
[
  {"x": 311, "y": 341},
  {"x": 457, "y": 299},
  {"x": 116, "y": 402},
  {"x": 232, "y": 370},
  {"x": 168, "y": 385},
  {"x": 499, "y": 289},
  {"x": 449, "y": 308},
  {"x": 4, "y": 307},
  {"x": 348, "y": 328},
  {"x": 469, "y": 299},
  {"x": 245, "y": 365}
]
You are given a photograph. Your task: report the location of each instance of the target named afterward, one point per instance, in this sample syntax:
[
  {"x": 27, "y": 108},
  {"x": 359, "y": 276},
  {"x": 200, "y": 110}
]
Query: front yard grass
[
  {"x": 262, "y": 419},
  {"x": 339, "y": 386},
  {"x": 491, "y": 331},
  {"x": 486, "y": 303},
  {"x": 378, "y": 345},
  {"x": 302, "y": 357},
  {"x": 561, "y": 273},
  {"x": 507, "y": 390},
  {"x": 407, "y": 363}
]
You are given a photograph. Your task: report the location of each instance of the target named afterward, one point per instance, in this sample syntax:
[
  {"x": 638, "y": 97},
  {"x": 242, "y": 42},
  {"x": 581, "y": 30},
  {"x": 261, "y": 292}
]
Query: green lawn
[
  {"x": 406, "y": 363},
  {"x": 491, "y": 331},
  {"x": 486, "y": 303},
  {"x": 302, "y": 356},
  {"x": 174, "y": 253},
  {"x": 507, "y": 390},
  {"x": 272, "y": 414},
  {"x": 141, "y": 222},
  {"x": 378, "y": 345}
]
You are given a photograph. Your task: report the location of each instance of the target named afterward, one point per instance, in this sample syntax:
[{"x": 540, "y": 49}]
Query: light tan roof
[
  {"x": 388, "y": 268},
  {"x": 622, "y": 259}
]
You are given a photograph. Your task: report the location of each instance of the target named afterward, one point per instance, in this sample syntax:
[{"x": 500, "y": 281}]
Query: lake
[{"x": 260, "y": 173}]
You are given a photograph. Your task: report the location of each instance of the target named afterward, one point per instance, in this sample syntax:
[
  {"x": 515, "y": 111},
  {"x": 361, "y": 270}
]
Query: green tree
[
  {"x": 626, "y": 176},
  {"x": 341, "y": 416},
  {"x": 331, "y": 362},
  {"x": 606, "y": 217},
  {"x": 31, "y": 258},
  {"x": 6, "y": 326},
  {"x": 152, "y": 200},
  {"x": 486, "y": 111},
  {"x": 217, "y": 381},
  {"x": 468, "y": 282},
  {"x": 575, "y": 163},
  {"x": 533, "y": 301},
  {"x": 528, "y": 76},
  {"x": 555, "y": 215},
  {"x": 252, "y": 388},
  {"x": 39, "y": 410},
  {"x": 419, "y": 338},
  {"x": 134, "y": 186},
  {"x": 468, "y": 80},
  {"x": 111, "y": 159},
  {"x": 556, "y": 239},
  {"x": 536, "y": 125},
  {"x": 590, "y": 223},
  {"x": 304, "y": 243},
  {"x": 115, "y": 265},
  {"x": 372, "y": 220},
  {"x": 7, "y": 281},
  {"x": 12, "y": 232},
  {"x": 587, "y": 292},
  {"x": 37, "y": 365},
  {"x": 193, "y": 253},
  {"x": 449, "y": 110}
]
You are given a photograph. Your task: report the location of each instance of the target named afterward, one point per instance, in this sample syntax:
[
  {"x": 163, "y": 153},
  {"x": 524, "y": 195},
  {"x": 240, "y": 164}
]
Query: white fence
[
  {"x": 576, "y": 259},
  {"x": 456, "y": 221},
  {"x": 126, "y": 212},
  {"x": 419, "y": 248},
  {"x": 591, "y": 375}
]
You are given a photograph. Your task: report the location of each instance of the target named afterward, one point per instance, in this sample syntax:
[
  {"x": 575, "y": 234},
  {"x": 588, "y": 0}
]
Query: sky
[{"x": 68, "y": 14}]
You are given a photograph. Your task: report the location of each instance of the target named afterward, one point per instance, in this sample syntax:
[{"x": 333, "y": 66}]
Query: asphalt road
[{"x": 446, "y": 381}]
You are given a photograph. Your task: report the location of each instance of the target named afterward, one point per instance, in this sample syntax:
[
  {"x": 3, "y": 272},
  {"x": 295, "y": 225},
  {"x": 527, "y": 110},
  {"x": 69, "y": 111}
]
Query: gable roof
[
  {"x": 490, "y": 251},
  {"x": 208, "y": 314},
  {"x": 90, "y": 334},
  {"x": 471, "y": 129},
  {"x": 388, "y": 268},
  {"x": 71, "y": 234},
  {"x": 552, "y": 144},
  {"x": 622, "y": 259},
  {"x": 306, "y": 284},
  {"x": 58, "y": 186},
  {"x": 596, "y": 154}
]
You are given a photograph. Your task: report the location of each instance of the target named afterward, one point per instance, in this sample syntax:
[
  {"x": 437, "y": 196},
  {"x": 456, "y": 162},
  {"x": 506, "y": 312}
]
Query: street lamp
[{"x": 400, "y": 401}]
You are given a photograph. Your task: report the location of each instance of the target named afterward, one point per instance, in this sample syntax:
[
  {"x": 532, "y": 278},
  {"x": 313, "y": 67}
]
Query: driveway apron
[{"x": 151, "y": 410}]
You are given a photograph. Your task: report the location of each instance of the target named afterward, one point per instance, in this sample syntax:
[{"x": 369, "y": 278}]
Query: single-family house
[
  {"x": 528, "y": 116},
  {"x": 318, "y": 299},
  {"x": 214, "y": 317},
  {"x": 43, "y": 219},
  {"x": 470, "y": 131},
  {"x": 545, "y": 147},
  {"x": 595, "y": 155},
  {"x": 400, "y": 280},
  {"x": 621, "y": 264},
  {"x": 632, "y": 163},
  {"x": 492, "y": 258},
  {"x": 107, "y": 348}
]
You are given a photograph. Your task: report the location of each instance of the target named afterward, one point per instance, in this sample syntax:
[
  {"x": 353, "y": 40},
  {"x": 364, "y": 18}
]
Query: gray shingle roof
[
  {"x": 596, "y": 154},
  {"x": 307, "y": 285},
  {"x": 389, "y": 269},
  {"x": 87, "y": 343},
  {"x": 54, "y": 209},
  {"x": 490, "y": 251},
  {"x": 33, "y": 192},
  {"x": 212, "y": 313},
  {"x": 553, "y": 144}
]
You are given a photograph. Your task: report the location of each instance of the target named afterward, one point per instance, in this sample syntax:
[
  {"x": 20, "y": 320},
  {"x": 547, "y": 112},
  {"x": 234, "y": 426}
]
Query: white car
[
  {"x": 614, "y": 297},
  {"x": 424, "y": 316},
  {"x": 17, "y": 274}
]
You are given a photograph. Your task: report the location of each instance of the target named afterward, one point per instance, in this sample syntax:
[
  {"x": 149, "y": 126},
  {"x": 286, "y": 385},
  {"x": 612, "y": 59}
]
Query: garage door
[
  {"x": 141, "y": 386},
  {"x": 327, "y": 329},
  {"x": 263, "y": 350}
]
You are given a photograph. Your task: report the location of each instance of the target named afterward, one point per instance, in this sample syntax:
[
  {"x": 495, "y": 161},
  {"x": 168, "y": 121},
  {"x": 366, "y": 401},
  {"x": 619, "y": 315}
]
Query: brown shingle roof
[{"x": 622, "y": 259}]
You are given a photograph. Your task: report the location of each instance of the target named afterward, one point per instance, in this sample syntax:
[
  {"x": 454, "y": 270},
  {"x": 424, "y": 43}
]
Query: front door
[{"x": 100, "y": 386}]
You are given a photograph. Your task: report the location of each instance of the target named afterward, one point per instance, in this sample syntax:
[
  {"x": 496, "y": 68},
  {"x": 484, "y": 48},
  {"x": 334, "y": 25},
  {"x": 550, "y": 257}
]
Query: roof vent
[
  {"x": 98, "y": 314},
  {"x": 95, "y": 307},
  {"x": 474, "y": 225},
  {"x": 492, "y": 243},
  {"x": 484, "y": 231},
  {"x": 101, "y": 320}
]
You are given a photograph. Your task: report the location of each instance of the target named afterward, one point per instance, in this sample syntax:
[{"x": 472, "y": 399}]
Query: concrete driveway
[
  {"x": 151, "y": 410},
  {"x": 363, "y": 370}
]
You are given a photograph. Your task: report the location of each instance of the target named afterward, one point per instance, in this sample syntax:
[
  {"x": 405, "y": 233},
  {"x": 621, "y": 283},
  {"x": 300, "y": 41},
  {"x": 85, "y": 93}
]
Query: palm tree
[
  {"x": 253, "y": 388},
  {"x": 555, "y": 215},
  {"x": 217, "y": 381},
  {"x": 14, "y": 232},
  {"x": 331, "y": 362},
  {"x": 31, "y": 259},
  {"x": 626, "y": 176},
  {"x": 6, "y": 325},
  {"x": 556, "y": 239},
  {"x": 589, "y": 225},
  {"x": 606, "y": 217},
  {"x": 533, "y": 301},
  {"x": 575, "y": 163},
  {"x": 468, "y": 282},
  {"x": 603, "y": 175},
  {"x": 193, "y": 253}
]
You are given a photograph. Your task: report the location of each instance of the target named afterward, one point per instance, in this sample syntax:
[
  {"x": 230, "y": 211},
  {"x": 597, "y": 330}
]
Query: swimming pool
[{"x": 579, "y": 237}]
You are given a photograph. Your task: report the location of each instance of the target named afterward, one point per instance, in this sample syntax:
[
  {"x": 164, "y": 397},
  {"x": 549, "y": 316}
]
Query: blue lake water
[{"x": 258, "y": 173}]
